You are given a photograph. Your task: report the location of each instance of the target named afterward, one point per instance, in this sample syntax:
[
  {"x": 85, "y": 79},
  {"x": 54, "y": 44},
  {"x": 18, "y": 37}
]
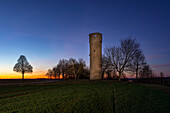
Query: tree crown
[{"x": 23, "y": 65}]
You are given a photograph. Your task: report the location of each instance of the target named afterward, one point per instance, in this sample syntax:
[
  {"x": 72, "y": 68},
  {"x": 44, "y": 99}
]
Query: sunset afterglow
[
  {"x": 84, "y": 56},
  {"x": 49, "y": 31}
]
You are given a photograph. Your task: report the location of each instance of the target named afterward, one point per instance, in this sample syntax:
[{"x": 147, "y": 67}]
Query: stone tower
[{"x": 95, "y": 40}]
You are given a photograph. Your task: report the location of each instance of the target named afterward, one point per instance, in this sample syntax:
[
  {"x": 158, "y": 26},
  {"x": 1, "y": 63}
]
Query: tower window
[
  {"x": 94, "y": 50},
  {"x": 95, "y": 35}
]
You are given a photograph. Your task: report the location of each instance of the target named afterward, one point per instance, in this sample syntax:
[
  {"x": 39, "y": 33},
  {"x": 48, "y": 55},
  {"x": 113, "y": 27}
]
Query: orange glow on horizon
[
  {"x": 26, "y": 76},
  {"x": 14, "y": 75}
]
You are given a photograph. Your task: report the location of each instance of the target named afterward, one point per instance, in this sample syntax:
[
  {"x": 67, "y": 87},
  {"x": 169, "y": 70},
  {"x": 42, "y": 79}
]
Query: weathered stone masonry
[{"x": 95, "y": 40}]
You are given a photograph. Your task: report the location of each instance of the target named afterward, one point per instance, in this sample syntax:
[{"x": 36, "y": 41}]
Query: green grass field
[{"x": 84, "y": 97}]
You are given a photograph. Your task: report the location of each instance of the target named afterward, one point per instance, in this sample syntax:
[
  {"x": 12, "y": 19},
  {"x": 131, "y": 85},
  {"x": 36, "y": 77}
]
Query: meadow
[{"x": 84, "y": 96}]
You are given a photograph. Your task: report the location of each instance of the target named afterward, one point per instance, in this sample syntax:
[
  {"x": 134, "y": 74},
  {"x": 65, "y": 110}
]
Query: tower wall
[{"x": 95, "y": 40}]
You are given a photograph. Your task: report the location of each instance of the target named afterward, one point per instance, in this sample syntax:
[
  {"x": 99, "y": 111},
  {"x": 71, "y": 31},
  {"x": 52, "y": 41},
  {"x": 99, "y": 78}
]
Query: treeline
[
  {"x": 117, "y": 62},
  {"x": 71, "y": 69}
]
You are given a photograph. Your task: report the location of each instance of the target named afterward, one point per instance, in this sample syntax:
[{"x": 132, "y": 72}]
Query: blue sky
[{"x": 48, "y": 30}]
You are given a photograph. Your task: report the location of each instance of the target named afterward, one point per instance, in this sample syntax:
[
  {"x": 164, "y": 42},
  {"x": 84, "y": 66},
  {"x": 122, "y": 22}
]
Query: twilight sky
[{"x": 46, "y": 31}]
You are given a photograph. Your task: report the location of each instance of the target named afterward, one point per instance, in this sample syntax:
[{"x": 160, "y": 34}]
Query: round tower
[{"x": 95, "y": 40}]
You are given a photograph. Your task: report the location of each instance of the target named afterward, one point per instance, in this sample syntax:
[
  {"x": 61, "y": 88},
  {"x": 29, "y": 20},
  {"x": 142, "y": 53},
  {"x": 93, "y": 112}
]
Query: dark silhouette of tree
[
  {"x": 72, "y": 67},
  {"x": 81, "y": 67},
  {"x": 67, "y": 73},
  {"x": 85, "y": 74},
  {"x": 137, "y": 62},
  {"x": 121, "y": 56},
  {"x": 115, "y": 76},
  {"x": 55, "y": 72},
  {"x": 63, "y": 66},
  {"x": 108, "y": 73},
  {"x": 23, "y": 66},
  {"x": 69, "y": 68},
  {"x": 76, "y": 68},
  {"x": 162, "y": 77},
  {"x": 145, "y": 72},
  {"x": 58, "y": 69},
  {"x": 161, "y": 74},
  {"x": 49, "y": 73}
]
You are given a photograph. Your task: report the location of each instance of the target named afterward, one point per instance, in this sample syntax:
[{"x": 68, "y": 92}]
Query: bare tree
[
  {"x": 81, "y": 65},
  {"x": 145, "y": 72},
  {"x": 69, "y": 69},
  {"x": 122, "y": 56},
  {"x": 85, "y": 73},
  {"x": 162, "y": 77},
  {"x": 72, "y": 67},
  {"x": 137, "y": 62},
  {"x": 58, "y": 69},
  {"x": 23, "y": 66},
  {"x": 161, "y": 74},
  {"x": 115, "y": 76},
  {"x": 55, "y": 72},
  {"x": 63, "y": 66},
  {"x": 49, "y": 73},
  {"x": 76, "y": 67}
]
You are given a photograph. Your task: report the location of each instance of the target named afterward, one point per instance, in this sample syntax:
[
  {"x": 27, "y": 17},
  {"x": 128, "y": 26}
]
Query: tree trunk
[
  {"x": 63, "y": 75},
  {"x": 102, "y": 75},
  {"x": 119, "y": 75},
  {"x": 108, "y": 75},
  {"x": 78, "y": 76},
  {"x": 136, "y": 75},
  {"x": 137, "y": 68},
  {"x": 59, "y": 75},
  {"x": 23, "y": 75},
  {"x": 75, "y": 77}
]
